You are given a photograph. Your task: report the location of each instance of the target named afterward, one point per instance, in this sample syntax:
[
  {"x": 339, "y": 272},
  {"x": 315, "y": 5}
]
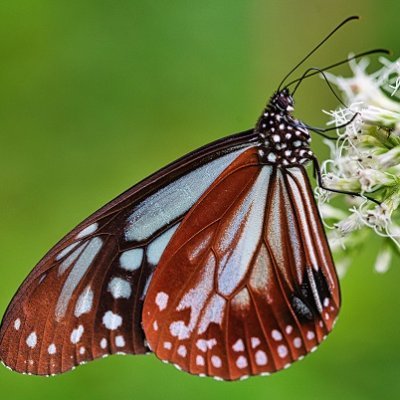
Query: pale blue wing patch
[{"x": 174, "y": 200}]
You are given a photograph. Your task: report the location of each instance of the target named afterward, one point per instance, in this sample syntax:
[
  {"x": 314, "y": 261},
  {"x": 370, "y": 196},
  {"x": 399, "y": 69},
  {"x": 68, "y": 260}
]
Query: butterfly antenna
[
  {"x": 316, "y": 48},
  {"x": 317, "y": 71}
]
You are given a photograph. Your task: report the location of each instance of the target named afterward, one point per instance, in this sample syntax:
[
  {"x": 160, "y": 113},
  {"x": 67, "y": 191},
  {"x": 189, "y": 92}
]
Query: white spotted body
[{"x": 284, "y": 140}]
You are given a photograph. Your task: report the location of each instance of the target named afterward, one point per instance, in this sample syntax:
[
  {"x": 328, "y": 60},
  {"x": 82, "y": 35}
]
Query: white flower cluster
[{"x": 365, "y": 159}]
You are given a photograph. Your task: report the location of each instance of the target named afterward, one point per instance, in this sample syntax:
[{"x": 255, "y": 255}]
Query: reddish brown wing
[
  {"x": 247, "y": 284},
  {"x": 84, "y": 299}
]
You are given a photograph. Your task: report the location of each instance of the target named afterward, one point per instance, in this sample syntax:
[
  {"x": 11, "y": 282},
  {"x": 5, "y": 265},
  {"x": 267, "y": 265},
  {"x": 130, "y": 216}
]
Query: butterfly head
[{"x": 282, "y": 101}]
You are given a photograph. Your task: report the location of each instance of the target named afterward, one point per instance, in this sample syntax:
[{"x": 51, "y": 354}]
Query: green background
[{"x": 95, "y": 95}]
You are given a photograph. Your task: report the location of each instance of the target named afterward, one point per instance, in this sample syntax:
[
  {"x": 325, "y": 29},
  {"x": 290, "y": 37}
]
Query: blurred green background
[{"x": 95, "y": 95}]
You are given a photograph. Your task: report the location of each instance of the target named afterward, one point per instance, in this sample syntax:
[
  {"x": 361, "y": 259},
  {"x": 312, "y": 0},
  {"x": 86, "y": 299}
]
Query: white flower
[
  {"x": 371, "y": 179},
  {"x": 396, "y": 84},
  {"x": 349, "y": 224},
  {"x": 367, "y": 88},
  {"x": 365, "y": 160},
  {"x": 389, "y": 158},
  {"x": 377, "y": 218}
]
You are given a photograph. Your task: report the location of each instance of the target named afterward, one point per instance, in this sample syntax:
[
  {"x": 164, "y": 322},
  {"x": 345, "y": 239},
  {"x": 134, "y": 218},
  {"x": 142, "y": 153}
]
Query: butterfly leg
[{"x": 318, "y": 176}]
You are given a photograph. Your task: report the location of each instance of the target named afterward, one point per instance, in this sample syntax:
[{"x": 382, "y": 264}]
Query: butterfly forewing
[
  {"x": 84, "y": 299},
  {"x": 247, "y": 284}
]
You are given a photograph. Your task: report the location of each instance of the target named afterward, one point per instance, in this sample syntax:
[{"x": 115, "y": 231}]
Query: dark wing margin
[
  {"x": 248, "y": 286},
  {"x": 84, "y": 299}
]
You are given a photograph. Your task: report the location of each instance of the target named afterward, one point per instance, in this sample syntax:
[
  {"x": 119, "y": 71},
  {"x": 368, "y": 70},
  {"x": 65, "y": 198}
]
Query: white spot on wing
[
  {"x": 289, "y": 329},
  {"x": 241, "y": 362},
  {"x": 200, "y": 360},
  {"x": 261, "y": 358},
  {"x": 175, "y": 199},
  {"x": 112, "y": 321},
  {"x": 276, "y": 335},
  {"x": 52, "y": 349},
  {"x": 297, "y": 342},
  {"x": 119, "y": 288},
  {"x": 282, "y": 351},
  {"x": 87, "y": 231},
  {"x": 182, "y": 350},
  {"x": 168, "y": 345},
  {"x": 119, "y": 341},
  {"x": 103, "y": 343},
  {"x": 157, "y": 246},
  {"x": 216, "y": 361},
  {"x": 17, "y": 324},
  {"x": 255, "y": 341},
  {"x": 31, "y": 340},
  {"x": 131, "y": 260},
  {"x": 77, "y": 334},
  {"x": 203, "y": 344},
  {"x": 162, "y": 300},
  {"x": 84, "y": 302},
  {"x": 238, "y": 345},
  {"x": 179, "y": 330}
]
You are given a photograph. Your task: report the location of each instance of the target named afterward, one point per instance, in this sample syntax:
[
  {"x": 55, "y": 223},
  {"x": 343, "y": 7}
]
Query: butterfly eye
[{"x": 284, "y": 101}]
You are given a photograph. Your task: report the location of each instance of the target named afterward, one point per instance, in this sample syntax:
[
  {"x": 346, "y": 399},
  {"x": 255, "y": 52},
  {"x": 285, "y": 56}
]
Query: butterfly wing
[
  {"x": 247, "y": 284},
  {"x": 84, "y": 298}
]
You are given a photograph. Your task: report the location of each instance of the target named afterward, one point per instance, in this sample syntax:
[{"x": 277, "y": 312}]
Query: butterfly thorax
[{"x": 284, "y": 140}]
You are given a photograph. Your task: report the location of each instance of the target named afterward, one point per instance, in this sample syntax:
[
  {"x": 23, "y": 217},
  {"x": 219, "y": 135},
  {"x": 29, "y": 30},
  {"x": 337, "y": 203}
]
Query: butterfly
[{"x": 218, "y": 263}]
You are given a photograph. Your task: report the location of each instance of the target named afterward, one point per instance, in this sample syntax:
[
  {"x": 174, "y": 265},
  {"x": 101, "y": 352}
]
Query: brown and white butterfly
[{"x": 218, "y": 264}]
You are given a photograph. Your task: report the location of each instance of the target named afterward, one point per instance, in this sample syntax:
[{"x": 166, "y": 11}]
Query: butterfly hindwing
[
  {"x": 84, "y": 298},
  {"x": 247, "y": 285}
]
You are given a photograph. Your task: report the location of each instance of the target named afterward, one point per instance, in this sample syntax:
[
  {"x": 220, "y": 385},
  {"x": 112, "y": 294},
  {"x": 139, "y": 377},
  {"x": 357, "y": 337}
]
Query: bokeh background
[{"x": 95, "y": 95}]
